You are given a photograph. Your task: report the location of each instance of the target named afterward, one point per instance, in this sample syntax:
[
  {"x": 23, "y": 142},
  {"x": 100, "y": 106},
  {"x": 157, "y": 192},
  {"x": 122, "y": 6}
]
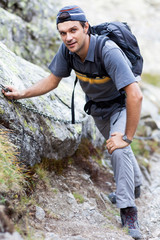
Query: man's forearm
[
  {"x": 133, "y": 106},
  {"x": 132, "y": 119},
  {"x": 41, "y": 87}
]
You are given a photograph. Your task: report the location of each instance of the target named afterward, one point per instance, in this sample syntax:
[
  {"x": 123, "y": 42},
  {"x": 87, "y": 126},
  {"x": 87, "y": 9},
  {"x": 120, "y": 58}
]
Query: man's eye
[
  {"x": 73, "y": 30},
  {"x": 62, "y": 33}
]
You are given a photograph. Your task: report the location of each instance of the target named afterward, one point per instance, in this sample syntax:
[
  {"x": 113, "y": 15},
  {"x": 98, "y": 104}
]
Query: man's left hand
[{"x": 115, "y": 142}]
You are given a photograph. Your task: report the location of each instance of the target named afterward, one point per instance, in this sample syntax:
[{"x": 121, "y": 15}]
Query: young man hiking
[{"x": 114, "y": 100}]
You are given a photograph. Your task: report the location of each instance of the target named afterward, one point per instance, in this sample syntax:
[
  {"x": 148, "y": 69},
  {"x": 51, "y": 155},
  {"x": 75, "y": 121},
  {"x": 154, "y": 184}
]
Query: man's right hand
[{"x": 12, "y": 93}]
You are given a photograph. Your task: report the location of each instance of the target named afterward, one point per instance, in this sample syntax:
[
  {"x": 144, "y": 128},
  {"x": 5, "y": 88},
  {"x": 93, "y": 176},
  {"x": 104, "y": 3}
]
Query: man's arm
[
  {"x": 133, "y": 106},
  {"x": 41, "y": 87}
]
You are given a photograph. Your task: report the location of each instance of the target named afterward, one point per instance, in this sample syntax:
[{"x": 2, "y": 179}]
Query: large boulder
[
  {"x": 35, "y": 41},
  {"x": 151, "y": 103},
  {"x": 41, "y": 126}
]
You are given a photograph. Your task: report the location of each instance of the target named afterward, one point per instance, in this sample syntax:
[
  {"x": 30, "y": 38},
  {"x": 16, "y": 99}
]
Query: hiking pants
[{"x": 126, "y": 170}]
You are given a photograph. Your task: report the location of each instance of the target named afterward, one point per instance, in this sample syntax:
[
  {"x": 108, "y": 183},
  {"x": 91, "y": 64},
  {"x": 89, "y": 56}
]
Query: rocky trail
[
  {"x": 73, "y": 207},
  {"x": 76, "y": 208},
  {"x": 149, "y": 203}
]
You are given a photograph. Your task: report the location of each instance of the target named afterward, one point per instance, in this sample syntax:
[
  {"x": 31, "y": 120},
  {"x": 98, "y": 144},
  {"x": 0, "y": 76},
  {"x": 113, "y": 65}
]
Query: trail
[{"x": 149, "y": 203}]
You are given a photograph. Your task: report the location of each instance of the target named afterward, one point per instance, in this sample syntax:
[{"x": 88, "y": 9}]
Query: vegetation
[
  {"x": 11, "y": 173},
  {"x": 79, "y": 198},
  {"x": 151, "y": 79},
  {"x": 14, "y": 182},
  {"x": 17, "y": 183}
]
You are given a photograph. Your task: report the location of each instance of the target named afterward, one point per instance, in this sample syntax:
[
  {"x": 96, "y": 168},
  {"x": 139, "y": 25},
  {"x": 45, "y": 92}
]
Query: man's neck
[{"x": 83, "y": 53}]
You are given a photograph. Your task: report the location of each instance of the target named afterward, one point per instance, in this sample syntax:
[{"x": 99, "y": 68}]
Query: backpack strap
[
  {"x": 72, "y": 101},
  {"x": 98, "y": 55}
]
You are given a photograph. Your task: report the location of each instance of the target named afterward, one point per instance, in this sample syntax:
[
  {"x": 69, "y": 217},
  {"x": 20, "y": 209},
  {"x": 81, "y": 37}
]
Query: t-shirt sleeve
[
  {"x": 59, "y": 65},
  {"x": 117, "y": 65}
]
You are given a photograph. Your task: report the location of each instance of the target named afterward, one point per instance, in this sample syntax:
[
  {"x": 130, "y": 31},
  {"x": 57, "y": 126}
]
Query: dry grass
[{"x": 11, "y": 174}]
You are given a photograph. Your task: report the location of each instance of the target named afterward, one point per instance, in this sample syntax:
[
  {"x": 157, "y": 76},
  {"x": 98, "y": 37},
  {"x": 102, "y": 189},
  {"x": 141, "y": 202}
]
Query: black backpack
[{"x": 121, "y": 34}]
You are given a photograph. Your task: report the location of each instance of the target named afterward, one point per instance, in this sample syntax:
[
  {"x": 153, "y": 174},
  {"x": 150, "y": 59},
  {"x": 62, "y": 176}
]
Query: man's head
[
  {"x": 71, "y": 13},
  {"x": 73, "y": 28}
]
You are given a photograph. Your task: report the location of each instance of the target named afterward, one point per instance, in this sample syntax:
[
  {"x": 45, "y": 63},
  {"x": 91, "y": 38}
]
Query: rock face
[
  {"x": 150, "y": 106},
  {"x": 28, "y": 28},
  {"x": 41, "y": 126}
]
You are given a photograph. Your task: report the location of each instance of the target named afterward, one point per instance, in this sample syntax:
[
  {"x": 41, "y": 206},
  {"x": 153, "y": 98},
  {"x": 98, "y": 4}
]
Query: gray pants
[{"x": 127, "y": 173}]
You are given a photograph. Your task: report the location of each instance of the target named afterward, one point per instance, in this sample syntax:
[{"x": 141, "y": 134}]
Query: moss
[
  {"x": 55, "y": 190},
  {"x": 3, "y": 32},
  {"x": 2, "y": 111},
  {"x": 138, "y": 147},
  {"x": 33, "y": 129},
  {"x": 49, "y": 108},
  {"x": 78, "y": 128},
  {"x": 17, "y": 112},
  {"x": 41, "y": 128},
  {"x": 86, "y": 149},
  {"x": 52, "y": 97},
  {"x": 17, "y": 50},
  {"x": 50, "y": 165},
  {"x": 50, "y": 126},
  {"x": 151, "y": 79},
  {"x": 14, "y": 30},
  {"x": 26, "y": 125},
  {"x": 79, "y": 198}
]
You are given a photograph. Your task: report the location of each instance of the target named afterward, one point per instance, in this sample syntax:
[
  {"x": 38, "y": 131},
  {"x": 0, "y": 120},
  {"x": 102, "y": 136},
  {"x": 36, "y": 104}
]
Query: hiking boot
[
  {"x": 129, "y": 220},
  {"x": 137, "y": 193},
  {"x": 112, "y": 197}
]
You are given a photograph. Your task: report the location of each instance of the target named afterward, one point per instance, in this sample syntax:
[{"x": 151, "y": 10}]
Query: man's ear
[{"x": 86, "y": 27}]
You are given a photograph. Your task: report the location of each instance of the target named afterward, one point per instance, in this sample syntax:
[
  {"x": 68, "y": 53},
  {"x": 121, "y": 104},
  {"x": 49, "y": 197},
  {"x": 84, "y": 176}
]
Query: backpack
[{"x": 121, "y": 34}]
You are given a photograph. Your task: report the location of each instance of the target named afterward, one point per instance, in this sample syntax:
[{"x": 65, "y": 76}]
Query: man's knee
[
  {"x": 120, "y": 156},
  {"x": 118, "y": 153}
]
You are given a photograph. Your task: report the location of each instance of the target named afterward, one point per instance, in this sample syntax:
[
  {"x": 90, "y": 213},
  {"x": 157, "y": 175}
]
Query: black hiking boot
[
  {"x": 129, "y": 220},
  {"x": 137, "y": 193}
]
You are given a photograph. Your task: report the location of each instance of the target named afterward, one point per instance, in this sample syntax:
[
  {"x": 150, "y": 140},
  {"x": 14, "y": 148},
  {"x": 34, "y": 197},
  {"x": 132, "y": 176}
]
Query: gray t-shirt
[{"x": 100, "y": 89}]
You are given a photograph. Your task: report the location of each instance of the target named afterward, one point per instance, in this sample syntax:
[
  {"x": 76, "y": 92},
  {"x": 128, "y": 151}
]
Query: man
[{"x": 116, "y": 117}]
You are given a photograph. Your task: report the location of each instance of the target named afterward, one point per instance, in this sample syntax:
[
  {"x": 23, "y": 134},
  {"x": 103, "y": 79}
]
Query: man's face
[{"x": 73, "y": 35}]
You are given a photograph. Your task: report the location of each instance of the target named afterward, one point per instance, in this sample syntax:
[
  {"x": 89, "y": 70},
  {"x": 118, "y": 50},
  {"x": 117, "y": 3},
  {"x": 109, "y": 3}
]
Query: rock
[
  {"x": 150, "y": 105},
  {"x": 40, "y": 213},
  {"x": 151, "y": 123},
  {"x": 8, "y": 236},
  {"x": 70, "y": 199},
  {"x": 156, "y": 135},
  {"x": 51, "y": 236},
  {"x": 145, "y": 173},
  {"x": 76, "y": 238},
  {"x": 5, "y": 223},
  {"x": 40, "y": 127},
  {"x": 32, "y": 34}
]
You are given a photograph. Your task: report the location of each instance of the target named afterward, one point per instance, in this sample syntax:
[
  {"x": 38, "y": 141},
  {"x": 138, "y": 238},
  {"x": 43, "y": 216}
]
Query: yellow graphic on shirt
[{"x": 96, "y": 80}]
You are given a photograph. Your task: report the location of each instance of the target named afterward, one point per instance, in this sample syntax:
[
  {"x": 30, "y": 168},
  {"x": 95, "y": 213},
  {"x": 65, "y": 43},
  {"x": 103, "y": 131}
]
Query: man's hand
[
  {"x": 115, "y": 142},
  {"x": 12, "y": 93}
]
